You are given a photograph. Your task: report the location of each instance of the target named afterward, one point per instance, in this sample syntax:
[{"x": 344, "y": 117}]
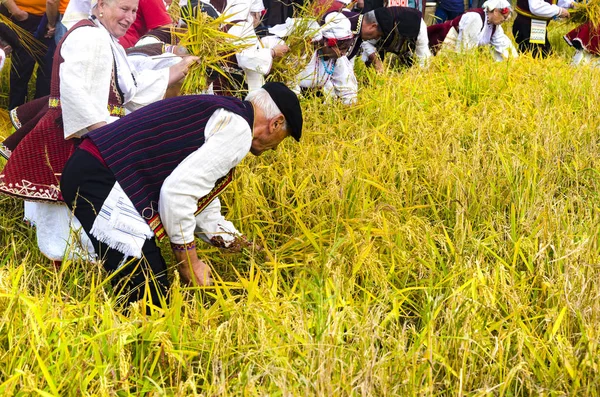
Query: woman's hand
[{"x": 178, "y": 71}]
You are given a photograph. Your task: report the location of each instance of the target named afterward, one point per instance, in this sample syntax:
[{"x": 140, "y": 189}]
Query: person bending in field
[
  {"x": 530, "y": 28},
  {"x": 477, "y": 27},
  {"x": 586, "y": 41},
  {"x": 399, "y": 30},
  {"x": 329, "y": 71},
  {"x": 158, "y": 171}
]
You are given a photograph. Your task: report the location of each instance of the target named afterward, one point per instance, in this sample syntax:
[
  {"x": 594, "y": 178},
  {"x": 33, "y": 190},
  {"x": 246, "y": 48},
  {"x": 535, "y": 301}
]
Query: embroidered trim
[
  {"x": 184, "y": 246},
  {"x": 113, "y": 110},
  {"x": 53, "y": 102},
  {"x": 358, "y": 24},
  {"x": 29, "y": 190},
  {"x": 157, "y": 226},
  {"x": 14, "y": 119}
]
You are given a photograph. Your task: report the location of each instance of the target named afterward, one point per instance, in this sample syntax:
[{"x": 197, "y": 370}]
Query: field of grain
[{"x": 442, "y": 237}]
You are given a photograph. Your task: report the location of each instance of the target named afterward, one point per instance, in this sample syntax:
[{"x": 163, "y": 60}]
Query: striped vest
[{"x": 143, "y": 148}]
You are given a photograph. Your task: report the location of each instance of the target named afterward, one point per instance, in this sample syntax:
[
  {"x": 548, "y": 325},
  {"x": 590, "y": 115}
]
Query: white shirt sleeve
[
  {"x": 211, "y": 223},
  {"x": 85, "y": 79},
  {"x": 503, "y": 46},
  {"x": 228, "y": 140},
  {"x": 422, "y": 51},
  {"x": 255, "y": 56},
  {"x": 543, "y": 9},
  {"x": 343, "y": 82},
  {"x": 469, "y": 28}
]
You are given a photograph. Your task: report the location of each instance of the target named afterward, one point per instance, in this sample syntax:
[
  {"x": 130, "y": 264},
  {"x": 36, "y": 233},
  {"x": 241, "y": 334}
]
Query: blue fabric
[
  {"x": 449, "y": 9},
  {"x": 443, "y": 14}
]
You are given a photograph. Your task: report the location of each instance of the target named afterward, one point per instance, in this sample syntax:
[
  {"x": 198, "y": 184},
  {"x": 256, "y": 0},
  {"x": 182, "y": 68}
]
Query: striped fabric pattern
[{"x": 143, "y": 148}]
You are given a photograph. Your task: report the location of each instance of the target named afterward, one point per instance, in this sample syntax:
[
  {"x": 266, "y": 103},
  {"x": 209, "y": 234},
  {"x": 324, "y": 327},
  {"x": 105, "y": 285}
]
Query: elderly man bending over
[{"x": 158, "y": 171}]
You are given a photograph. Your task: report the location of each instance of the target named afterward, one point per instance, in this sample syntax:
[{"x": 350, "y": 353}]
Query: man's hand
[
  {"x": 238, "y": 243},
  {"x": 193, "y": 271}
]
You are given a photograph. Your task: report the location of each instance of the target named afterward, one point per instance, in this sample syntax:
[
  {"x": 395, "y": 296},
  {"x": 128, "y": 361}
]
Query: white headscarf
[
  {"x": 336, "y": 26},
  {"x": 491, "y": 5}
]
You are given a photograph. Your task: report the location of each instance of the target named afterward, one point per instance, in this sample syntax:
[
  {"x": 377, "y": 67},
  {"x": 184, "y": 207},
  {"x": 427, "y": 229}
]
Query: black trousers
[
  {"x": 522, "y": 33},
  {"x": 85, "y": 185},
  {"x": 23, "y": 64}
]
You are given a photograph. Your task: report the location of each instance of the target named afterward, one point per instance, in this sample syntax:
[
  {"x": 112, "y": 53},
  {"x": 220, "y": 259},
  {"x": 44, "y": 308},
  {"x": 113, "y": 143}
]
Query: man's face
[
  {"x": 272, "y": 138},
  {"x": 370, "y": 31}
]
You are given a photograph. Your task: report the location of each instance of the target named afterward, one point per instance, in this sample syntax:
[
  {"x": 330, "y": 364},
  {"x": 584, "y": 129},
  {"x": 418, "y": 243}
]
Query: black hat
[
  {"x": 288, "y": 103},
  {"x": 385, "y": 20}
]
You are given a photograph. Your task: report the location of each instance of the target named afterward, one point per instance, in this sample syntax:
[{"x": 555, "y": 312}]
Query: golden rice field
[{"x": 440, "y": 238}]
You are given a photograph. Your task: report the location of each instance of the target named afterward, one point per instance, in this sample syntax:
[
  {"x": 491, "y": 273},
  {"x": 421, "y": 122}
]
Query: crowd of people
[{"x": 107, "y": 154}]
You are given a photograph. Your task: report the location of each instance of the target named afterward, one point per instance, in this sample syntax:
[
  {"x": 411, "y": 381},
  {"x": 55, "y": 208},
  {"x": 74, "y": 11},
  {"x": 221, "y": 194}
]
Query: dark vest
[
  {"x": 144, "y": 148},
  {"x": 355, "y": 26}
]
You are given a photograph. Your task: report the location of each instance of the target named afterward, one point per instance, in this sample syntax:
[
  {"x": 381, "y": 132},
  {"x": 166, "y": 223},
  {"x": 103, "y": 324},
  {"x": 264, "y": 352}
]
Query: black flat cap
[
  {"x": 385, "y": 20},
  {"x": 288, "y": 103}
]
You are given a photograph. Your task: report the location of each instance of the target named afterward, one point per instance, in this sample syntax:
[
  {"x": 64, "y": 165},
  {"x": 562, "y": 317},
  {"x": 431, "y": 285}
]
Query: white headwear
[
  {"x": 491, "y": 5},
  {"x": 307, "y": 26},
  {"x": 336, "y": 26}
]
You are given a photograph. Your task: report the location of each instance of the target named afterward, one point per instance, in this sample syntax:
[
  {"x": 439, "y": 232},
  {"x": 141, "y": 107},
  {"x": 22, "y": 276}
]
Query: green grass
[{"x": 439, "y": 238}]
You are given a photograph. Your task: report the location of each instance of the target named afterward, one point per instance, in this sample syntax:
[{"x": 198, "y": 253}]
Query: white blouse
[
  {"x": 473, "y": 32},
  {"x": 335, "y": 77},
  {"x": 89, "y": 55},
  {"x": 545, "y": 10}
]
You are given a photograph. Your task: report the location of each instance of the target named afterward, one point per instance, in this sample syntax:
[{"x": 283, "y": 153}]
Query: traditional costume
[
  {"x": 158, "y": 172},
  {"x": 531, "y": 24},
  {"x": 92, "y": 82},
  {"x": 472, "y": 29},
  {"x": 586, "y": 41},
  {"x": 334, "y": 77}
]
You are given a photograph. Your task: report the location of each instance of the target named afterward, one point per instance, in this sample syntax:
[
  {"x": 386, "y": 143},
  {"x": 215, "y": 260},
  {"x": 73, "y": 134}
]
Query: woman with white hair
[{"x": 477, "y": 27}]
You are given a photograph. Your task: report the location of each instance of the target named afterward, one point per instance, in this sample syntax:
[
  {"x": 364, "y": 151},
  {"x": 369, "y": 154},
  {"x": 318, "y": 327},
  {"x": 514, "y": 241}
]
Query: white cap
[{"x": 491, "y": 5}]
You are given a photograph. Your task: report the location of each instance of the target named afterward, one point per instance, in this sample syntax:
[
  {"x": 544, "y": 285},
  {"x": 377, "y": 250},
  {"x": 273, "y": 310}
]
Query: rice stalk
[
  {"x": 586, "y": 11},
  {"x": 208, "y": 39},
  {"x": 29, "y": 43}
]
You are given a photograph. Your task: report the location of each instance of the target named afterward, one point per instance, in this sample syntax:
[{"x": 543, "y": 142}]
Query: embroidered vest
[
  {"x": 356, "y": 20},
  {"x": 144, "y": 148},
  {"x": 522, "y": 8},
  {"x": 115, "y": 96}
]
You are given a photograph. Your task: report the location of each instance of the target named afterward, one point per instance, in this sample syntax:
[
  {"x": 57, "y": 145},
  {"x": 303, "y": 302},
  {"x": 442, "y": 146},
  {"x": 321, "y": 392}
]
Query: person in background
[
  {"x": 400, "y": 30},
  {"x": 585, "y": 39},
  {"x": 530, "y": 28},
  {"x": 448, "y": 10},
  {"x": 477, "y": 27},
  {"x": 329, "y": 72},
  {"x": 124, "y": 197},
  {"x": 55, "y": 9},
  {"x": 28, "y": 15},
  {"x": 151, "y": 14}
]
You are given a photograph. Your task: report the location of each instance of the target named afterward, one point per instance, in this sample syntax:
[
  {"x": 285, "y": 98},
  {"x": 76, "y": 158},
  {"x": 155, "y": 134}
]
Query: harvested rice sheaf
[
  {"x": 586, "y": 11},
  {"x": 208, "y": 39},
  {"x": 301, "y": 49}
]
